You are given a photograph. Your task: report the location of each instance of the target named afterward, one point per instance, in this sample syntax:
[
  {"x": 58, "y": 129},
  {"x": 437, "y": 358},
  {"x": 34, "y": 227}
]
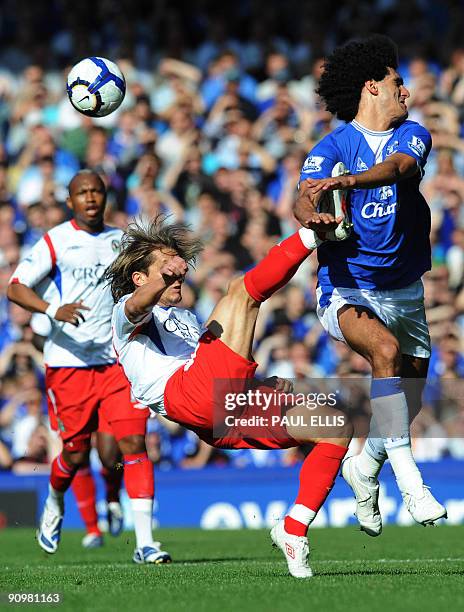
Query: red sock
[
  {"x": 113, "y": 481},
  {"x": 83, "y": 486},
  {"x": 277, "y": 268},
  {"x": 317, "y": 477},
  {"x": 138, "y": 476},
  {"x": 61, "y": 474}
]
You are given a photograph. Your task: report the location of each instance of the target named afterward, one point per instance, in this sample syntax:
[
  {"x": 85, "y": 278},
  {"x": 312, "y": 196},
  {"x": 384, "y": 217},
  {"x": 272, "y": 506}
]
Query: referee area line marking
[{"x": 239, "y": 561}]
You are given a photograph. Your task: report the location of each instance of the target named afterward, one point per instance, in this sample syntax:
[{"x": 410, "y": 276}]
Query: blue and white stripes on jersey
[{"x": 389, "y": 247}]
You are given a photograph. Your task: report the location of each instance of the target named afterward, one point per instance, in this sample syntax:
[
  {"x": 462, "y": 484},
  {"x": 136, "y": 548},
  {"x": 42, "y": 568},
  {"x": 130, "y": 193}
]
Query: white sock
[
  {"x": 309, "y": 238},
  {"x": 390, "y": 421},
  {"x": 370, "y": 463},
  {"x": 142, "y": 510},
  {"x": 407, "y": 473},
  {"x": 55, "y": 499},
  {"x": 302, "y": 514}
]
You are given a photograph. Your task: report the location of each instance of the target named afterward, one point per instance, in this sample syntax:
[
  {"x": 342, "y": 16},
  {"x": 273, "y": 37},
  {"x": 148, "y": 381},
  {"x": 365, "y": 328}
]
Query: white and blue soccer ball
[{"x": 96, "y": 86}]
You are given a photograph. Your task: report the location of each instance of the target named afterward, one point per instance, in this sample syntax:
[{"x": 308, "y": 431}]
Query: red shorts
[
  {"x": 77, "y": 397},
  {"x": 189, "y": 397},
  {"x": 103, "y": 425}
]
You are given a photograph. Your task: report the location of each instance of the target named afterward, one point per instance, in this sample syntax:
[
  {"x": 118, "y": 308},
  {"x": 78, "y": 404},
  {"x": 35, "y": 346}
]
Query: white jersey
[
  {"x": 66, "y": 265},
  {"x": 153, "y": 349}
]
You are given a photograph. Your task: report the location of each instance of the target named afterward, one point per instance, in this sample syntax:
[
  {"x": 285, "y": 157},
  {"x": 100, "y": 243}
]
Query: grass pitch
[{"x": 407, "y": 568}]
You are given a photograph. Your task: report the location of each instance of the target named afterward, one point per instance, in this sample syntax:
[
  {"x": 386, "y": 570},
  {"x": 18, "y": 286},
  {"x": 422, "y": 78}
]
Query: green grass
[{"x": 407, "y": 568}]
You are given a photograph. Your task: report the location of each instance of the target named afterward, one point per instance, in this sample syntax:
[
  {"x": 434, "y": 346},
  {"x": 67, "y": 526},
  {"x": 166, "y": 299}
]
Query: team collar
[{"x": 361, "y": 128}]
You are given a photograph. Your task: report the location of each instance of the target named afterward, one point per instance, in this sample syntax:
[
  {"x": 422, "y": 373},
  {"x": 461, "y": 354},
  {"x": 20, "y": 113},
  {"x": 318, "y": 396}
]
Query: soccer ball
[{"x": 96, "y": 86}]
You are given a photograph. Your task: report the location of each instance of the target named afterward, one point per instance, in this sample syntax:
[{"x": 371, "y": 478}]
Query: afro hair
[{"x": 349, "y": 67}]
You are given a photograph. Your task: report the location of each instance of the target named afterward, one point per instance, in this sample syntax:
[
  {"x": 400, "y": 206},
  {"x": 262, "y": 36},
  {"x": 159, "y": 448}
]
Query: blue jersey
[{"x": 389, "y": 247}]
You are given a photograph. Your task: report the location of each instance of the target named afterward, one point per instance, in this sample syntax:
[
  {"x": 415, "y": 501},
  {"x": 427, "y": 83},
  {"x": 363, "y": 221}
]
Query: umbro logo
[
  {"x": 289, "y": 550},
  {"x": 361, "y": 166}
]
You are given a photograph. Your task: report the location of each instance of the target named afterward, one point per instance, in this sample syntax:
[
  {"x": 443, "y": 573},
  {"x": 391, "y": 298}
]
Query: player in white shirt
[
  {"x": 187, "y": 373},
  {"x": 62, "y": 276}
]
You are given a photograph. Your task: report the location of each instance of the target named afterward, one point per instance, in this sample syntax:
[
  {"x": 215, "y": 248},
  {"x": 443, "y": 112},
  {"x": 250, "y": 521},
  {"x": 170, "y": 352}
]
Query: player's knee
[
  {"x": 341, "y": 427},
  {"x": 236, "y": 286},
  {"x": 110, "y": 459},
  {"x": 130, "y": 445},
  {"x": 79, "y": 458},
  {"x": 336, "y": 428},
  {"x": 387, "y": 355}
]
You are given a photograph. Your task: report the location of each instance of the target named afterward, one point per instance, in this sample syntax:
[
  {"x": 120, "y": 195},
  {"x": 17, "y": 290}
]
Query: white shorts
[{"x": 401, "y": 310}]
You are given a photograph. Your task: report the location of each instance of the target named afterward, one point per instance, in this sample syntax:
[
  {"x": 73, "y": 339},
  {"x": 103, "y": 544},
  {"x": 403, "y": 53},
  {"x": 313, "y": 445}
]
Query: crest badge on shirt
[
  {"x": 313, "y": 163},
  {"x": 416, "y": 145},
  {"x": 392, "y": 148},
  {"x": 115, "y": 244},
  {"x": 361, "y": 165}
]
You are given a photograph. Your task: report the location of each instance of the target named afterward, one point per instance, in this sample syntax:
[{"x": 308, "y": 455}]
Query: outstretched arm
[
  {"x": 395, "y": 168},
  {"x": 146, "y": 296}
]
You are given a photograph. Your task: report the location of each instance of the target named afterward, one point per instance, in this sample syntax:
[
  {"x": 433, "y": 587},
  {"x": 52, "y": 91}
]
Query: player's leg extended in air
[{"x": 232, "y": 323}]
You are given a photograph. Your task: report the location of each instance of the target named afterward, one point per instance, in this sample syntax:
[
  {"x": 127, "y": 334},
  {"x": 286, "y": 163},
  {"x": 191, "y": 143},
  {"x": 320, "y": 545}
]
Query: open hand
[{"x": 71, "y": 313}]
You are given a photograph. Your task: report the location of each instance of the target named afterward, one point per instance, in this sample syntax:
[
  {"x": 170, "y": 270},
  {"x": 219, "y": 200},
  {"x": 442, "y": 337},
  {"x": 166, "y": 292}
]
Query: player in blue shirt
[{"x": 370, "y": 293}]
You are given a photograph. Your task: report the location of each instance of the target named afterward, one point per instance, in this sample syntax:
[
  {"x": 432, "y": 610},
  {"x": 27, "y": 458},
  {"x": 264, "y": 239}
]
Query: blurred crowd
[{"x": 219, "y": 114}]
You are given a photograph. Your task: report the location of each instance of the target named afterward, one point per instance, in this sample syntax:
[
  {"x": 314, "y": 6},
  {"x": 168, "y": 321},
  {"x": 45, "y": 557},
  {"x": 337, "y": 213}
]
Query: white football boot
[
  {"x": 295, "y": 549},
  {"x": 151, "y": 554},
  {"x": 92, "y": 540},
  {"x": 366, "y": 492},
  {"x": 425, "y": 509},
  {"x": 49, "y": 532}
]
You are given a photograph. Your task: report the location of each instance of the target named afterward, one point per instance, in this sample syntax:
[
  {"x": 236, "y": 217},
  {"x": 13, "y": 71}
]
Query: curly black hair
[{"x": 349, "y": 67}]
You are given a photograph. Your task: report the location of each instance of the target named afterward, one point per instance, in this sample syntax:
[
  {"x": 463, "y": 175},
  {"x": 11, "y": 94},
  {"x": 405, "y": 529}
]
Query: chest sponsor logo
[
  {"x": 374, "y": 210},
  {"x": 92, "y": 275},
  {"x": 313, "y": 163},
  {"x": 416, "y": 145},
  {"x": 174, "y": 325},
  {"x": 361, "y": 166}
]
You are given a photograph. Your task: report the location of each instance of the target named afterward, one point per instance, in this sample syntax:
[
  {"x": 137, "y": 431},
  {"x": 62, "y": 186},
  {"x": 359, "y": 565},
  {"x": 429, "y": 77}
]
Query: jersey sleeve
[
  {"x": 320, "y": 160},
  {"x": 38, "y": 263},
  {"x": 415, "y": 141},
  {"x": 122, "y": 327}
]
